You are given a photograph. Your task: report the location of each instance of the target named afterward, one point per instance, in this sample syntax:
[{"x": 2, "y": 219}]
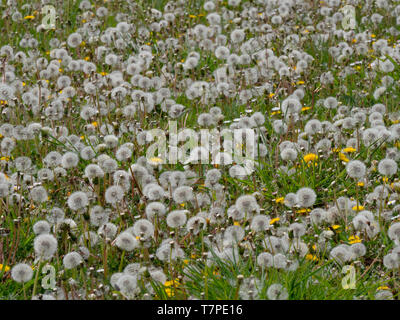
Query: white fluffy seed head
[
  {"x": 41, "y": 227},
  {"x": 114, "y": 194},
  {"x": 176, "y": 218},
  {"x": 45, "y": 246},
  {"x": 277, "y": 292},
  {"x": 77, "y": 200},
  {"x": 356, "y": 169},
  {"x": 306, "y": 197},
  {"x": 126, "y": 241},
  {"x": 21, "y": 273},
  {"x": 72, "y": 260},
  {"x": 387, "y": 167},
  {"x": 143, "y": 228}
]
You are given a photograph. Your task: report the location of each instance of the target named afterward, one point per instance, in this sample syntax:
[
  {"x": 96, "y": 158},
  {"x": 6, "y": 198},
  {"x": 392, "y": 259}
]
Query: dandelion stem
[{"x": 36, "y": 278}]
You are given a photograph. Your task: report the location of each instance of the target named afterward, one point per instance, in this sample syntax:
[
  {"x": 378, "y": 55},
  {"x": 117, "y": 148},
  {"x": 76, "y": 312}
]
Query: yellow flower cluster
[
  {"x": 4, "y": 268},
  {"x": 170, "y": 286}
]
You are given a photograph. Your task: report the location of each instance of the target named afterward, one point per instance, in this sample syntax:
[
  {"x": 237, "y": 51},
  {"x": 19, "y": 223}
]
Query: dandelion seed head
[
  {"x": 387, "y": 167},
  {"x": 126, "y": 241},
  {"x": 21, "y": 273},
  {"x": 306, "y": 197},
  {"x": 41, "y": 227},
  {"x": 176, "y": 218},
  {"x": 72, "y": 260},
  {"x": 356, "y": 169},
  {"x": 277, "y": 292},
  {"x": 77, "y": 201},
  {"x": 45, "y": 246}
]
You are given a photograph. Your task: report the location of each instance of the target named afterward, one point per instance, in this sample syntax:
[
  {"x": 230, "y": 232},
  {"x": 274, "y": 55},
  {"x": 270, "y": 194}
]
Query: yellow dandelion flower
[
  {"x": 383, "y": 288},
  {"x": 172, "y": 283},
  {"x": 310, "y": 157},
  {"x": 279, "y": 200},
  {"x": 29, "y": 17},
  {"x": 4, "y": 267},
  {"x": 343, "y": 157},
  {"x": 354, "y": 239},
  {"x": 303, "y": 210},
  {"x": 311, "y": 257},
  {"x": 349, "y": 150},
  {"x": 155, "y": 160},
  {"x": 169, "y": 292},
  {"x": 358, "y": 208},
  {"x": 272, "y": 221}
]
